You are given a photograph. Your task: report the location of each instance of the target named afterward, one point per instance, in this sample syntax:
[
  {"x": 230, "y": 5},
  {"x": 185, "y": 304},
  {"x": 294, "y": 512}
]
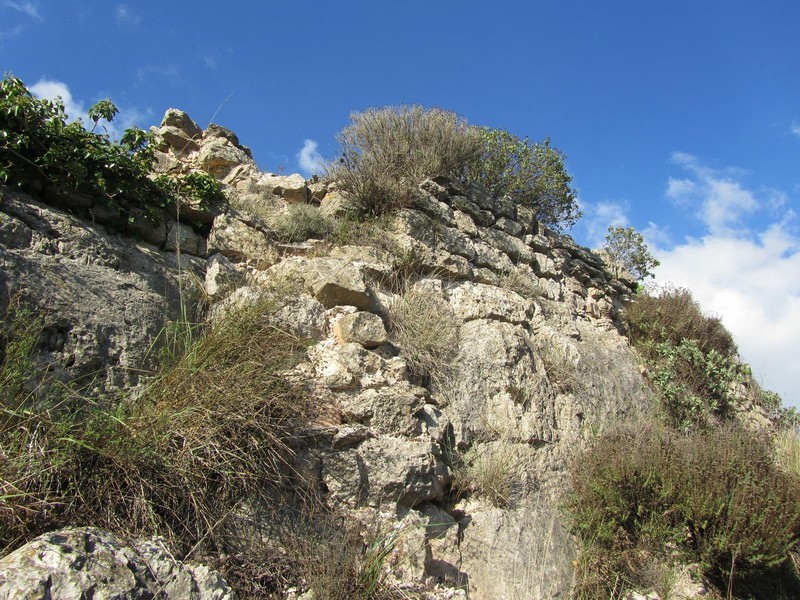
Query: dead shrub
[{"x": 387, "y": 152}]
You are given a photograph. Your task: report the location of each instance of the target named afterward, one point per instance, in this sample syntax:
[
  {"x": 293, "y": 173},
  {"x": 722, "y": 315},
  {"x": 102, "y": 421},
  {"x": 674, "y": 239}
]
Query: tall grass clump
[
  {"x": 301, "y": 222},
  {"x": 646, "y": 494},
  {"x": 424, "y": 327},
  {"x": 215, "y": 428},
  {"x": 386, "y": 152}
]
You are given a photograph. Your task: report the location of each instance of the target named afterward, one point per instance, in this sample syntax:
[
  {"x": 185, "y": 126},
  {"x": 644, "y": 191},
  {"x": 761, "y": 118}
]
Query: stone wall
[{"x": 535, "y": 364}]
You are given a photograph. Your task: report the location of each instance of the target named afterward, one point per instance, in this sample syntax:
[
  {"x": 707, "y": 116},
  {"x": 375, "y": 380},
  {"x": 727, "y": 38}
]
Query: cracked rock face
[{"x": 103, "y": 298}]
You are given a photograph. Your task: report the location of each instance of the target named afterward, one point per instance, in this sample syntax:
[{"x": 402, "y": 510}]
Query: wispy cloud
[
  {"x": 125, "y": 16},
  {"x": 310, "y": 161},
  {"x": 209, "y": 61},
  {"x": 745, "y": 274},
  {"x": 796, "y": 129},
  {"x": 7, "y": 34},
  {"x": 29, "y": 8},
  {"x": 155, "y": 74},
  {"x": 721, "y": 201}
]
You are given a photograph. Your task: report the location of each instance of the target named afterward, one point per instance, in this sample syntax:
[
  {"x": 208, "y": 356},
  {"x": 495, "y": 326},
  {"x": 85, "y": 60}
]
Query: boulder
[
  {"x": 361, "y": 327},
  {"x": 332, "y": 281},
  {"x": 84, "y": 562},
  {"x": 181, "y": 121},
  {"x": 291, "y": 188},
  {"x": 237, "y": 240}
]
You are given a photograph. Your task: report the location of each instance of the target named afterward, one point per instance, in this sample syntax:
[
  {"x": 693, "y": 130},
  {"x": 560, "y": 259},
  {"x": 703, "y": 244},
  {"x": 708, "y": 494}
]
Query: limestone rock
[
  {"x": 291, "y": 188},
  {"x": 183, "y": 238},
  {"x": 334, "y": 282},
  {"x": 104, "y": 298},
  {"x": 235, "y": 239},
  {"x": 402, "y": 471},
  {"x": 361, "y": 327},
  {"x": 86, "y": 562},
  {"x": 222, "y": 276},
  {"x": 182, "y": 122},
  {"x": 472, "y": 301}
]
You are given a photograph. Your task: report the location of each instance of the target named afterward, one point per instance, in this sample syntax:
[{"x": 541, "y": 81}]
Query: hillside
[{"x": 319, "y": 406}]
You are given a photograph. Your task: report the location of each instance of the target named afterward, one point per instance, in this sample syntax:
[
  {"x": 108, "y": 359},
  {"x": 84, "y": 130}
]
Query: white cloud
[
  {"x": 721, "y": 202},
  {"x": 749, "y": 278},
  {"x": 75, "y": 109},
  {"x": 796, "y": 129},
  {"x": 29, "y": 8},
  {"x": 49, "y": 89},
  {"x": 310, "y": 161},
  {"x": 124, "y": 16}
]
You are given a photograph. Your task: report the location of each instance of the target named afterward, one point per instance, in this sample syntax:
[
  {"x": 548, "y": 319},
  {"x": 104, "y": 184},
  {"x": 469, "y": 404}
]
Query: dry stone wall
[{"x": 467, "y": 456}]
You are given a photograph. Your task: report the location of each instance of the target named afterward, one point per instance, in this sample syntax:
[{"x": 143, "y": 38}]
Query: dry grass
[
  {"x": 215, "y": 428},
  {"x": 424, "y": 327},
  {"x": 492, "y": 471},
  {"x": 386, "y": 152}
]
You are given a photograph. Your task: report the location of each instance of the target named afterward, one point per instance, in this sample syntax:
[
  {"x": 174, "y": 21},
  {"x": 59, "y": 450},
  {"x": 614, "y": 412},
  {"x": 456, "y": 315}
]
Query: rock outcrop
[
  {"x": 84, "y": 562},
  {"x": 536, "y": 361}
]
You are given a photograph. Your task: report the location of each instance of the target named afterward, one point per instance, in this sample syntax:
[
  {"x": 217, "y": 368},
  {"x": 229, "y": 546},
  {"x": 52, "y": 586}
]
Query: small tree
[
  {"x": 531, "y": 174},
  {"x": 626, "y": 248}
]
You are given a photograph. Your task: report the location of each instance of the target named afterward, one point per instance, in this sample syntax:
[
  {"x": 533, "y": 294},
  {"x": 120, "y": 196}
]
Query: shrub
[
  {"x": 386, "y": 152},
  {"x": 626, "y": 248},
  {"x": 531, "y": 174},
  {"x": 692, "y": 359},
  {"x": 716, "y": 497},
  {"x": 670, "y": 314},
  {"x": 302, "y": 222}
]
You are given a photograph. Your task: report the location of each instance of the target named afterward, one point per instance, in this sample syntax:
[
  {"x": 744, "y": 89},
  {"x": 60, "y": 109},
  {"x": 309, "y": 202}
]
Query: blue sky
[{"x": 680, "y": 118}]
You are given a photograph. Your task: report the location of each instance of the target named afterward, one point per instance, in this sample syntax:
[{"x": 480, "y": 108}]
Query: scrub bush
[
  {"x": 717, "y": 498},
  {"x": 43, "y": 154},
  {"x": 531, "y": 174}
]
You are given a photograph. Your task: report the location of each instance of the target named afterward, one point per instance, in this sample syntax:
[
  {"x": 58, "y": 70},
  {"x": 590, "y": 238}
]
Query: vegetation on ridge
[{"x": 387, "y": 152}]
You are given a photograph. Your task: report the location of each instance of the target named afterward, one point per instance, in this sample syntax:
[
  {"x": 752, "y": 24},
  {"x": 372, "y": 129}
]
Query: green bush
[
  {"x": 531, "y": 174},
  {"x": 670, "y": 314},
  {"x": 717, "y": 498},
  {"x": 44, "y": 155},
  {"x": 387, "y": 152},
  {"x": 691, "y": 358},
  {"x": 628, "y": 252}
]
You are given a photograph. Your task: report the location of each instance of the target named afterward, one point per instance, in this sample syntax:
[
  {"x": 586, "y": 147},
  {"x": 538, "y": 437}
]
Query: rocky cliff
[{"x": 461, "y": 352}]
